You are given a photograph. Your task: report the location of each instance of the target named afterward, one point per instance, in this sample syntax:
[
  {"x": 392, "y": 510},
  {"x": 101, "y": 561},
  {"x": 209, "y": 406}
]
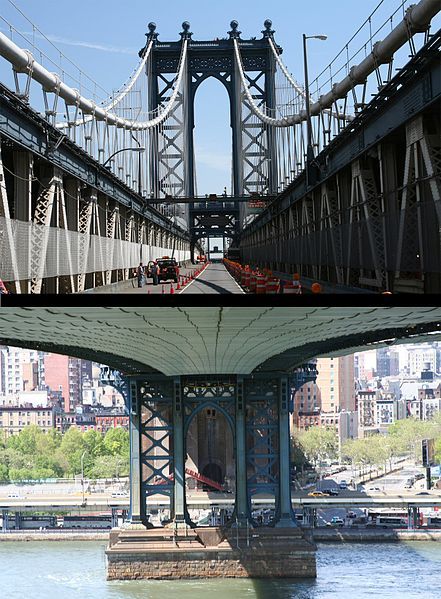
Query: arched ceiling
[{"x": 213, "y": 340}]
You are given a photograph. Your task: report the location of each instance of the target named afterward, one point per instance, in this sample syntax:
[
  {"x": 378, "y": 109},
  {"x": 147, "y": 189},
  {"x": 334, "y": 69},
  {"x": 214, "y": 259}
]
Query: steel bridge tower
[{"x": 254, "y": 162}]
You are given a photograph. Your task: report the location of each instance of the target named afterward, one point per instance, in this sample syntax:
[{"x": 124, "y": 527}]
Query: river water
[{"x": 77, "y": 570}]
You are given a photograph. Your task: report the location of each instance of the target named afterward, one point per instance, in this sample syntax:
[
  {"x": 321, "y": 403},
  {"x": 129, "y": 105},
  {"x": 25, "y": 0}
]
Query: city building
[
  {"x": 19, "y": 370},
  {"x": 335, "y": 383},
  {"x": 420, "y": 357},
  {"x": 66, "y": 376},
  {"x": 377, "y": 410},
  {"x": 107, "y": 419},
  {"x": 387, "y": 362},
  {"x": 13, "y": 419}
]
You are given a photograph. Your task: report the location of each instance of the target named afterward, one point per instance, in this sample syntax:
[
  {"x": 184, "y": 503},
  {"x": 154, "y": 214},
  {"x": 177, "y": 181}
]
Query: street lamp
[
  {"x": 82, "y": 473},
  {"x": 310, "y": 150},
  {"x": 139, "y": 149}
]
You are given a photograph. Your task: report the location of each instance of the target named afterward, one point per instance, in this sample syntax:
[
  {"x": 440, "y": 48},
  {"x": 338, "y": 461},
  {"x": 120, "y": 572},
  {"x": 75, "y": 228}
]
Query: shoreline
[{"x": 319, "y": 536}]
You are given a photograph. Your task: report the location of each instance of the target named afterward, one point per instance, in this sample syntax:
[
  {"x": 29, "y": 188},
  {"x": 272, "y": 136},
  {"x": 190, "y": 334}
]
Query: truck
[{"x": 168, "y": 269}]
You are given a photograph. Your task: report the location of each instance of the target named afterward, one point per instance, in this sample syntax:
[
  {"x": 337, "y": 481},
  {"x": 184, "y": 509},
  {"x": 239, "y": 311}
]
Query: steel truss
[
  {"x": 374, "y": 224},
  {"x": 60, "y": 235},
  {"x": 156, "y": 406},
  {"x": 256, "y": 409},
  {"x": 261, "y": 400}
]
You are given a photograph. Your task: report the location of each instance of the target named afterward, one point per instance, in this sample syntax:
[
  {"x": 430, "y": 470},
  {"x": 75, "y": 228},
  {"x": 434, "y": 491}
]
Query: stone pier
[{"x": 167, "y": 553}]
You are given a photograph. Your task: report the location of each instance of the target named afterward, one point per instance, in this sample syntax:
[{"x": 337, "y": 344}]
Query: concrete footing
[{"x": 163, "y": 553}]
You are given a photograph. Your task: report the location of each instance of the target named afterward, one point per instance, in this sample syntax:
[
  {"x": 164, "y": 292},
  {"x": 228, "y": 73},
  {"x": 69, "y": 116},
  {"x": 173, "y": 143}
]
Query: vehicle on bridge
[{"x": 168, "y": 269}]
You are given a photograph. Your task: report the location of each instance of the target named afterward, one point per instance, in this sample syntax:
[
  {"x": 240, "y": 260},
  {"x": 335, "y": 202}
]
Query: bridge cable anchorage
[{"x": 416, "y": 19}]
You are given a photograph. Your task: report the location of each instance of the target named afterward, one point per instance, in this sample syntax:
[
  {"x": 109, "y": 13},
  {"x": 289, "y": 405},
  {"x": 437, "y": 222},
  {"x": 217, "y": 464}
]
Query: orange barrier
[
  {"x": 272, "y": 285},
  {"x": 260, "y": 284},
  {"x": 253, "y": 281}
]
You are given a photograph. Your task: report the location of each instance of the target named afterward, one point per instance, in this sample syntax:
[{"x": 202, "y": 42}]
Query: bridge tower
[{"x": 254, "y": 162}]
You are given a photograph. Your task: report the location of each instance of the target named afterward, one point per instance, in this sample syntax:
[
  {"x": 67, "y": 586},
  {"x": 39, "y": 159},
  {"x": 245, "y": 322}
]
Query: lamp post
[
  {"x": 310, "y": 149},
  {"x": 82, "y": 473},
  {"x": 139, "y": 149}
]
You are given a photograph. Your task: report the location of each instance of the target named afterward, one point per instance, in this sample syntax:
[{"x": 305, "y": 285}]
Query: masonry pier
[{"x": 225, "y": 433}]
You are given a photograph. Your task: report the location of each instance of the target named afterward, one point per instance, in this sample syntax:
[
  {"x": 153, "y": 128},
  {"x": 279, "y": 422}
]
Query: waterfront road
[
  {"x": 204, "y": 500},
  {"x": 214, "y": 279}
]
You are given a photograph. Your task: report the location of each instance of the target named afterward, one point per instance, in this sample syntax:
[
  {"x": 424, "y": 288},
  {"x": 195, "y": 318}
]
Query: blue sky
[{"x": 103, "y": 37}]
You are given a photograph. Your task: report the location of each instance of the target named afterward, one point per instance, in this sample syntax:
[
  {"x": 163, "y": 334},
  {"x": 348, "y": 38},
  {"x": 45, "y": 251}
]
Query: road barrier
[
  {"x": 260, "y": 284},
  {"x": 272, "y": 285}
]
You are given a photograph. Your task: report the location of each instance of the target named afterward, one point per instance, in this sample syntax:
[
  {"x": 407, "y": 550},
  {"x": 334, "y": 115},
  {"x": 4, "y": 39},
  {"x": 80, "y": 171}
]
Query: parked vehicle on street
[
  {"x": 343, "y": 485},
  {"x": 168, "y": 269},
  {"x": 336, "y": 521},
  {"x": 330, "y": 492}
]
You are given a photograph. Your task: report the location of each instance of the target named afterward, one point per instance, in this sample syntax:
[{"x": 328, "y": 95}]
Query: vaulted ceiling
[{"x": 213, "y": 340}]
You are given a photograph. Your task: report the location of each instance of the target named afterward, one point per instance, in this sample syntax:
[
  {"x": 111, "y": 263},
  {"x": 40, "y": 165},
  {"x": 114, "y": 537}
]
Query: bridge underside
[
  {"x": 204, "y": 340},
  {"x": 209, "y": 394}
]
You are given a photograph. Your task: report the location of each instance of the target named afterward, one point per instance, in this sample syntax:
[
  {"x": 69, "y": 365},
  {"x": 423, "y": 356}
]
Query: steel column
[
  {"x": 179, "y": 455},
  {"x": 242, "y": 510},
  {"x": 286, "y": 514},
  {"x": 137, "y": 509}
]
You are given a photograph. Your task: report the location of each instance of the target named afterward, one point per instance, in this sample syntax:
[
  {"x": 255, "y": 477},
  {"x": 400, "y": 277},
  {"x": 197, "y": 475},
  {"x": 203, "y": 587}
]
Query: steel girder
[{"x": 375, "y": 209}]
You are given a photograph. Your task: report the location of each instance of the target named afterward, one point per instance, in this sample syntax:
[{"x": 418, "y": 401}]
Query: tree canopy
[{"x": 35, "y": 455}]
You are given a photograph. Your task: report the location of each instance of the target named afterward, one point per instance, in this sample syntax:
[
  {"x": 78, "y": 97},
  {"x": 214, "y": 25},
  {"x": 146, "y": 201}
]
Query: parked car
[
  {"x": 330, "y": 492},
  {"x": 335, "y": 521},
  {"x": 343, "y": 485}
]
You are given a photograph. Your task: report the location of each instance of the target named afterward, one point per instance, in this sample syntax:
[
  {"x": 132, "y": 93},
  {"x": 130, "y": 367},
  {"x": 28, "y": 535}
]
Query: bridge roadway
[
  {"x": 204, "y": 500},
  {"x": 214, "y": 279}
]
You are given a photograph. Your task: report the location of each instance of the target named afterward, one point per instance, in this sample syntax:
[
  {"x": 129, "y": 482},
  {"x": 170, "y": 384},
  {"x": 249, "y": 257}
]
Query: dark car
[
  {"x": 168, "y": 269},
  {"x": 330, "y": 492}
]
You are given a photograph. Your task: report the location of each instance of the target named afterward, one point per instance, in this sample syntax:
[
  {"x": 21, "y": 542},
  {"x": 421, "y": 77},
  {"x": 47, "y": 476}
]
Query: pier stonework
[{"x": 161, "y": 554}]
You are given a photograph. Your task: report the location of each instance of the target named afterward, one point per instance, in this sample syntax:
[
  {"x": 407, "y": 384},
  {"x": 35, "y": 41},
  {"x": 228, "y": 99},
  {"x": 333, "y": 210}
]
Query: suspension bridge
[{"x": 337, "y": 180}]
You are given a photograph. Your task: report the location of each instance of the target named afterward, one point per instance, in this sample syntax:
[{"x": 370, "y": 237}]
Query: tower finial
[
  {"x": 234, "y": 33},
  {"x": 268, "y": 32},
  {"x": 186, "y": 33}
]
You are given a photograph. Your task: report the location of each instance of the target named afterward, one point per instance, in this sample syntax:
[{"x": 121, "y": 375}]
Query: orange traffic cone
[
  {"x": 178, "y": 286},
  {"x": 172, "y": 289}
]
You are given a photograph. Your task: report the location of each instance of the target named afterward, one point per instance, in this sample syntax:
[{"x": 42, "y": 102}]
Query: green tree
[
  {"x": 319, "y": 444},
  {"x": 116, "y": 442},
  {"x": 27, "y": 440},
  {"x": 110, "y": 467},
  {"x": 70, "y": 451}
]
